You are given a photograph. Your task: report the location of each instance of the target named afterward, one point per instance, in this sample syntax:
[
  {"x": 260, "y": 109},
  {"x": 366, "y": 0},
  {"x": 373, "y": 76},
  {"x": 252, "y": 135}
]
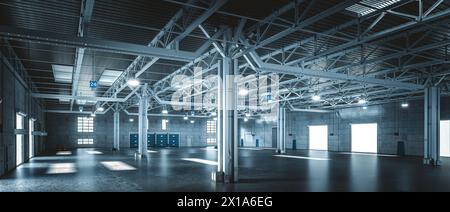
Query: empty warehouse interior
[{"x": 224, "y": 95}]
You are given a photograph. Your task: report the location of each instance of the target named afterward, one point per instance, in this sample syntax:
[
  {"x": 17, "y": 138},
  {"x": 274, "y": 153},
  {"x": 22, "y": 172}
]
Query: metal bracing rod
[
  {"x": 326, "y": 33},
  {"x": 216, "y": 45},
  {"x": 303, "y": 24},
  {"x": 87, "y": 8},
  {"x": 214, "y": 7},
  {"x": 375, "y": 36},
  {"x": 432, "y": 8}
]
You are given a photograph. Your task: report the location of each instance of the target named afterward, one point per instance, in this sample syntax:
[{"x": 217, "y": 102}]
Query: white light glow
[
  {"x": 245, "y": 119},
  {"x": 302, "y": 158},
  {"x": 64, "y": 153},
  {"x": 318, "y": 138},
  {"x": 192, "y": 122},
  {"x": 94, "y": 152},
  {"x": 243, "y": 92},
  {"x": 316, "y": 98},
  {"x": 93, "y": 115},
  {"x": 151, "y": 151},
  {"x": 365, "y": 108},
  {"x": 405, "y": 105},
  {"x": 101, "y": 109},
  {"x": 362, "y": 101},
  {"x": 186, "y": 118},
  {"x": 61, "y": 168},
  {"x": 133, "y": 82},
  {"x": 213, "y": 114},
  {"x": 202, "y": 161},
  {"x": 365, "y": 138},
  {"x": 248, "y": 115},
  {"x": 117, "y": 166},
  {"x": 165, "y": 111},
  {"x": 131, "y": 120},
  {"x": 445, "y": 139}
]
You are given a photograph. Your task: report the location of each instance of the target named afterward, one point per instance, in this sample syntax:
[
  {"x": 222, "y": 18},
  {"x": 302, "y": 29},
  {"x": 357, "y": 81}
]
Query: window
[
  {"x": 365, "y": 138},
  {"x": 31, "y": 138},
  {"x": 85, "y": 124},
  {"x": 318, "y": 138},
  {"x": 85, "y": 141},
  {"x": 164, "y": 124},
  {"x": 445, "y": 139},
  {"x": 211, "y": 128}
]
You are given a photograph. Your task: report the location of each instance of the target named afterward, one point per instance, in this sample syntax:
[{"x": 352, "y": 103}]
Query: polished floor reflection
[{"x": 190, "y": 170}]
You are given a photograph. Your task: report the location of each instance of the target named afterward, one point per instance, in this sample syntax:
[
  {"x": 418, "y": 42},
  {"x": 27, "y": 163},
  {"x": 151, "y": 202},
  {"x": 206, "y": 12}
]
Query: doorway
[
  {"x": 318, "y": 138},
  {"x": 31, "y": 138},
  {"x": 20, "y": 126},
  {"x": 445, "y": 139},
  {"x": 365, "y": 138}
]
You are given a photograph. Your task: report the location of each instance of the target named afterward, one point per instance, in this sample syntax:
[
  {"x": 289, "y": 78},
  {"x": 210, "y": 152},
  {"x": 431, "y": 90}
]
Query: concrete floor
[{"x": 259, "y": 171}]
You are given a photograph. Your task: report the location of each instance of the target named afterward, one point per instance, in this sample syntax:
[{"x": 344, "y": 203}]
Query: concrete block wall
[
  {"x": 16, "y": 97},
  {"x": 66, "y": 135},
  {"x": 394, "y": 124}
]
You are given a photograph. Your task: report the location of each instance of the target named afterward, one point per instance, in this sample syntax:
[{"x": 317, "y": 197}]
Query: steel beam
[
  {"x": 87, "y": 8},
  {"x": 68, "y": 97},
  {"x": 296, "y": 71},
  {"x": 95, "y": 44}
]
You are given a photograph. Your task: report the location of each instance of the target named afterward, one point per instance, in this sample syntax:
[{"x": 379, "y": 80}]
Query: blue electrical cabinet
[
  {"x": 174, "y": 140},
  {"x": 134, "y": 140},
  {"x": 151, "y": 140},
  {"x": 162, "y": 140}
]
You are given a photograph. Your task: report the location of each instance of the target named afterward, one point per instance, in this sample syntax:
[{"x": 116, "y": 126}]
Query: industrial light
[
  {"x": 192, "y": 121},
  {"x": 362, "y": 101},
  {"x": 81, "y": 109},
  {"x": 316, "y": 98},
  {"x": 247, "y": 115},
  {"x": 131, "y": 120},
  {"x": 185, "y": 118},
  {"x": 405, "y": 105},
  {"x": 165, "y": 111},
  {"x": 365, "y": 108},
  {"x": 243, "y": 92},
  {"x": 213, "y": 114},
  {"x": 93, "y": 115},
  {"x": 133, "y": 82},
  {"x": 245, "y": 119},
  {"x": 101, "y": 109},
  {"x": 215, "y": 119}
]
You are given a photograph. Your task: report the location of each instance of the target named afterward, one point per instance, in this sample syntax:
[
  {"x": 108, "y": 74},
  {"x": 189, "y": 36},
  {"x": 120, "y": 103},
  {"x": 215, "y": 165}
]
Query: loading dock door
[
  {"x": 134, "y": 140},
  {"x": 445, "y": 139},
  {"x": 162, "y": 140},
  {"x": 174, "y": 140},
  {"x": 365, "y": 138},
  {"x": 318, "y": 138},
  {"x": 274, "y": 137}
]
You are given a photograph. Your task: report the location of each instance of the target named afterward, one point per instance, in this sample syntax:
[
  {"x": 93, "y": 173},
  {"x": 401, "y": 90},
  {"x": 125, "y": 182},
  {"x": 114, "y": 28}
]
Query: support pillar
[
  {"x": 116, "y": 145},
  {"x": 432, "y": 126},
  {"x": 143, "y": 122},
  {"x": 281, "y": 130},
  {"x": 228, "y": 119}
]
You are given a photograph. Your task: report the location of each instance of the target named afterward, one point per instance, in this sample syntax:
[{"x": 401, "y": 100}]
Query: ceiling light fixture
[
  {"x": 316, "y": 98},
  {"x": 133, "y": 82},
  {"x": 405, "y": 105},
  {"x": 100, "y": 109},
  {"x": 243, "y": 92}
]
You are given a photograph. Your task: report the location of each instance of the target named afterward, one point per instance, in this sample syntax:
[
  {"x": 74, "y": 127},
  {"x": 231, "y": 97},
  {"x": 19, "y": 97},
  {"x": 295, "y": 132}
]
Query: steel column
[
  {"x": 281, "y": 130},
  {"x": 432, "y": 126},
  {"x": 143, "y": 122},
  {"x": 116, "y": 130}
]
